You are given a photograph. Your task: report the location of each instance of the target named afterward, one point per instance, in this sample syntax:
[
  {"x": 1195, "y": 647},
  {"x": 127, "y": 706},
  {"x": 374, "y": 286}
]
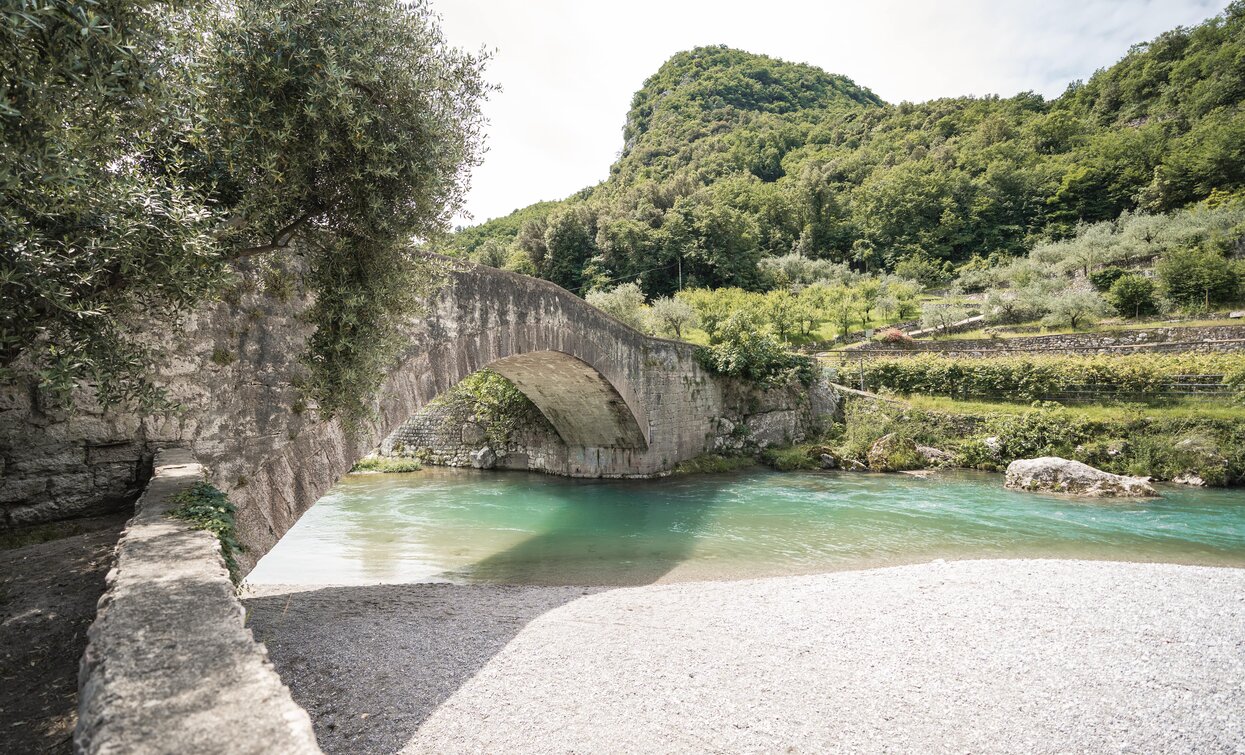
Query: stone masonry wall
[
  {"x": 1209, "y": 338},
  {"x": 451, "y": 433}
]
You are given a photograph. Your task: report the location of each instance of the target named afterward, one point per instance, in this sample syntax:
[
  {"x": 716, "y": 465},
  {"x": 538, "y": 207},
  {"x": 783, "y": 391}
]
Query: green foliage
[
  {"x": 941, "y": 317},
  {"x": 207, "y": 508},
  {"x": 151, "y": 149},
  {"x": 1133, "y": 296},
  {"x": 792, "y": 458},
  {"x": 923, "y": 270},
  {"x": 670, "y": 317},
  {"x": 1074, "y": 308},
  {"x": 624, "y": 303},
  {"x": 1199, "y": 278},
  {"x": 742, "y": 352},
  {"x": 1102, "y": 280},
  {"x": 1030, "y": 377},
  {"x": 1138, "y": 442},
  {"x": 386, "y": 465},
  {"x": 495, "y": 402},
  {"x": 714, "y": 464}
]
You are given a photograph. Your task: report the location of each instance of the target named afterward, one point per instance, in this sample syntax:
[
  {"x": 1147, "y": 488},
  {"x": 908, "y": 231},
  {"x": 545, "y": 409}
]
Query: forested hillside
[{"x": 730, "y": 157}]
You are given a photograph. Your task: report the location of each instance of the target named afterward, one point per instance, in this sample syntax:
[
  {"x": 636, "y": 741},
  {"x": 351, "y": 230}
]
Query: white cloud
[{"x": 568, "y": 69}]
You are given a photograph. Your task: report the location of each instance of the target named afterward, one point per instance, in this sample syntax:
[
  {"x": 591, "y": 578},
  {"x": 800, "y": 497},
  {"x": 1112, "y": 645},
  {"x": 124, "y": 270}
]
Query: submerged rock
[{"x": 1051, "y": 474}]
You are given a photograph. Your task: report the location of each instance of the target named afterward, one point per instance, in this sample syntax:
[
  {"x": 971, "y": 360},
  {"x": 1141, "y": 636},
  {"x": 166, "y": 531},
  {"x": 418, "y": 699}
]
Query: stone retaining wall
[
  {"x": 169, "y": 665},
  {"x": 1209, "y": 338}
]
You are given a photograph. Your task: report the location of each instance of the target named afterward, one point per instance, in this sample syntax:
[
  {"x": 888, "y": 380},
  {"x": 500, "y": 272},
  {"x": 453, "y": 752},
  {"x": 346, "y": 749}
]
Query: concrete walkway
[{"x": 971, "y": 656}]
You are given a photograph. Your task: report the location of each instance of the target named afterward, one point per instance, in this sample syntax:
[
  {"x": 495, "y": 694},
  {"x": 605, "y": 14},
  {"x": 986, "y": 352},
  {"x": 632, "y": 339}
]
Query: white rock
[
  {"x": 484, "y": 458},
  {"x": 1052, "y": 474}
]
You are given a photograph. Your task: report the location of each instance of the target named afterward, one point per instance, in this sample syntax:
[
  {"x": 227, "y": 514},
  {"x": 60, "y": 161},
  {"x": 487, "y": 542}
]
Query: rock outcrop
[
  {"x": 893, "y": 453},
  {"x": 1051, "y": 474}
]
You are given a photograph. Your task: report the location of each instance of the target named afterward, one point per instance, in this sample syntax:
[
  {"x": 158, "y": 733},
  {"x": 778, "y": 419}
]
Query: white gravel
[{"x": 967, "y": 656}]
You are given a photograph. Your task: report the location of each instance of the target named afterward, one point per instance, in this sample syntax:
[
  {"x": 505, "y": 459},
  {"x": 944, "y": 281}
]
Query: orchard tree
[
  {"x": 940, "y": 317},
  {"x": 624, "y": 303},
  {"x": 779, "y": 308},
  {"x": 1198, "y": 277},
  {"x": 152, "y": 149},
  {"x": 1075, "y": 308},
  {"x": 670, "y": 317},
  {"x": 1132, "y": 295}
]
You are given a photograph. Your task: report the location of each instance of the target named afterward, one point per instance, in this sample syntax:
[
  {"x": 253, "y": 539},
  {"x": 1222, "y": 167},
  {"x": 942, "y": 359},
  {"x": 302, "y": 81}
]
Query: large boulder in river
[
  {"x": 894, "y": 453},
  {"x": 484, "y": 458},
  {"x": 1051, "y": 474}
]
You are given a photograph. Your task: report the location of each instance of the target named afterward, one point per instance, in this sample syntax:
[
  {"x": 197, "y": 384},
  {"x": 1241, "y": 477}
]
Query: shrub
[
  {"x": 1198, "y": 278},
  {"x": 386, "y": 464},
  {"x": 792, "y": 458},
  {"x": 893, "y": 335},
  {"x": 1102, "y": 280},
  {"x": 745, "y": 353},
  {"x": 1133, "y": 296}
]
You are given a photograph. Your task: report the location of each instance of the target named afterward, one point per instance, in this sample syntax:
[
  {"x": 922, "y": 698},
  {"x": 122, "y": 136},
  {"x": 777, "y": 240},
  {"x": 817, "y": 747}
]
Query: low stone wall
[
  {"x": 170, "y": 666},
  {"x": 1209, "y": 338}
]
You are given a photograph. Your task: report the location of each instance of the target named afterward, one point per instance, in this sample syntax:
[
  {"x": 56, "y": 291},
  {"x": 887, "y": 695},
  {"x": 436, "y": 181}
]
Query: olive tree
[
  {"x": 670, "y": 316},
  {"x": 152, "y": 148},
  {"x": 624, "y": 303},
  {"x": 1074, "y": 308}
]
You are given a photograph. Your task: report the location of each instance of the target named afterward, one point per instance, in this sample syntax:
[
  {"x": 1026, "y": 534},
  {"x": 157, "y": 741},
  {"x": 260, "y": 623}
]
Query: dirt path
[{"x": 48, "y": 594}]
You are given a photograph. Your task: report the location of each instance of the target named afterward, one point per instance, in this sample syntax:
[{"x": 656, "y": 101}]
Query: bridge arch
[
  {"x": 618, "y": 398},
  {"x": 581, "y": 404}
]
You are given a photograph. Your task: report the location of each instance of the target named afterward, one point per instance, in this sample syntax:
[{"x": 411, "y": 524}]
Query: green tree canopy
[{"x": 205, "y": 134}]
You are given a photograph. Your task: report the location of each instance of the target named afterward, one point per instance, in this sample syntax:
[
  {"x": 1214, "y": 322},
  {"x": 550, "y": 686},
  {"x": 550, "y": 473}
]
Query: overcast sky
[{"x": 568, "y": 68}]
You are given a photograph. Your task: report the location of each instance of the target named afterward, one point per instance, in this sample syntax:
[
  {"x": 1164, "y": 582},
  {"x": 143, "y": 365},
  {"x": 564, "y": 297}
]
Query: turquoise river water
[{"x": 443, "y": 525}]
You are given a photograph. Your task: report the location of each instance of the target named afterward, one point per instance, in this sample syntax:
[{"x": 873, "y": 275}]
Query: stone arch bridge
[{"x": 625, "y": 404}]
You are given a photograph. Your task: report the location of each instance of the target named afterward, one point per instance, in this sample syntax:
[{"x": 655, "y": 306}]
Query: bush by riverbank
[{"x": 1171, "y": 443}]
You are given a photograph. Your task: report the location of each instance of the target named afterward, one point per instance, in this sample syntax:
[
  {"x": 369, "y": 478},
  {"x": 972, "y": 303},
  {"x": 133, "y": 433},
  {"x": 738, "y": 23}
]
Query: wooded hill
[{"x": 730, "y": 157}]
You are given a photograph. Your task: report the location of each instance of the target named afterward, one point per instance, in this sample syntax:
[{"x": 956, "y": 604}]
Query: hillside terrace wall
[{"x": 1171, "y": 339}]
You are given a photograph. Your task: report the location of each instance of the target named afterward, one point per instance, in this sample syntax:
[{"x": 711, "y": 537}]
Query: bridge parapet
[{"x": 169, "y": 666}]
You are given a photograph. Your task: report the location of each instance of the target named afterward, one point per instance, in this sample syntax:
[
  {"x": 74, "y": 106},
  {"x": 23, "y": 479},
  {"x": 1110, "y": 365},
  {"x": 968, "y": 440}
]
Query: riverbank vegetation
[
  {"x": 386, "y": 465},
  {"x": 1171, "y": 443}
]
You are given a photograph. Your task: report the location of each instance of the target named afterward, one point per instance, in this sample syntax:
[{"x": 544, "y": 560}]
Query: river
[{"x": 466, "y": 527}]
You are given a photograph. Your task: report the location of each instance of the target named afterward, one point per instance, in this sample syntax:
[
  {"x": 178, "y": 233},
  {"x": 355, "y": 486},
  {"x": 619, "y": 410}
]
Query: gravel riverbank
[{"x": 968, "y": 656}]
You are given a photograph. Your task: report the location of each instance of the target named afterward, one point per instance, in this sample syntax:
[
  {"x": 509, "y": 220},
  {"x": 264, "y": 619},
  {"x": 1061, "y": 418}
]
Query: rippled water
[{"x": 467, "y": 526}]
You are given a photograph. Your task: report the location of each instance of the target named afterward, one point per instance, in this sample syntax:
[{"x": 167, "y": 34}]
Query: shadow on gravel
[
  {"x": 48, "y": 592},
  {"x": 371, "y": 663}
]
